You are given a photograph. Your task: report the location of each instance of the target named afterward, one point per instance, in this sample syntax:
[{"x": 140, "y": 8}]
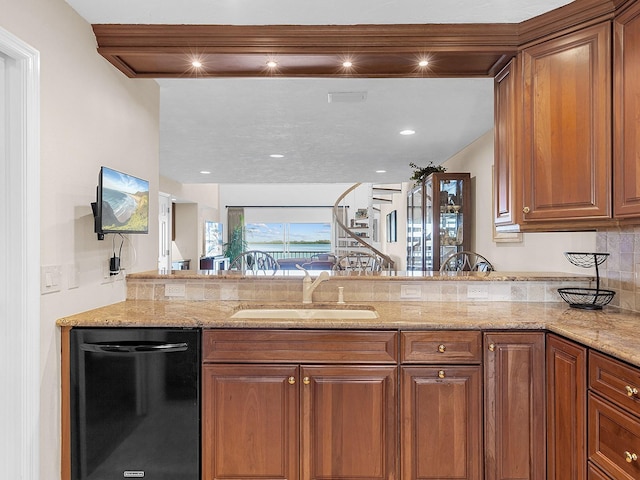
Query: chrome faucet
[{"x": 308, "y": 287}]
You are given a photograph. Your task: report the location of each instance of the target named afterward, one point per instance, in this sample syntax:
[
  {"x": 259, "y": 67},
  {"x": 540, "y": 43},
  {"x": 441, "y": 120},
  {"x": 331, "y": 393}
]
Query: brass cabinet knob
[
  {"x": 306, "y": 380},
  {"x": 292, "y": 380},
  {"x": 630, "y": 457},
  {"x": 526, "y": 210},
  {"x": 492, "y": 347},
  {"x": 631, "y": 391},
  {"x": 441, "y": 374},
  {"x": 442, "y": 348}
]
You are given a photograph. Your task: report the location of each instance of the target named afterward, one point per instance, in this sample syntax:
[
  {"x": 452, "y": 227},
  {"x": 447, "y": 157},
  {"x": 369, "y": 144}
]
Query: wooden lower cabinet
[
  {"x": 614, "y": 417},
  {"x": 299, "y": 404},
  {"x": 250, "y": 422},
  {"x": 514, "y": 386},
  {"x": 441, "y": 419},
  {"x": 349, "y": 422},
  {"x": 596, "y": 474},
  {"x": 409, "y": 418},
  {"x": 309, "y": 422},
  {"x": 566, "y": 409}
]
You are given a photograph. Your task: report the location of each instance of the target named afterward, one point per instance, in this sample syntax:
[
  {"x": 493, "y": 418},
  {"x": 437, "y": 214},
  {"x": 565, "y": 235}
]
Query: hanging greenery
[{"x": 420, "y": 173}]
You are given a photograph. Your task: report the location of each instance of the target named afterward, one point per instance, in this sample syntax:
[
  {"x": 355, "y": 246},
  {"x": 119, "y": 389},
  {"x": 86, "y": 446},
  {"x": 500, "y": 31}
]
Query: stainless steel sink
[{"x": 306, "y": 313}]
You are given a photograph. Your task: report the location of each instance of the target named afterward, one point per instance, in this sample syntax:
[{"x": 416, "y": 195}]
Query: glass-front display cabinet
[{"x": 438, "y": 220}]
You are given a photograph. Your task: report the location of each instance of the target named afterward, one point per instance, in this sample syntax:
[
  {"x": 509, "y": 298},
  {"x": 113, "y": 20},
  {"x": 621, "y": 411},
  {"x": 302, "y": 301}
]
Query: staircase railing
[{"x": 387, "y": 261}]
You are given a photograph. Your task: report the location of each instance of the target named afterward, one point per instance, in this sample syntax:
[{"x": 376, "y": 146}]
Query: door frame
[{"x": 20, "y": 279}]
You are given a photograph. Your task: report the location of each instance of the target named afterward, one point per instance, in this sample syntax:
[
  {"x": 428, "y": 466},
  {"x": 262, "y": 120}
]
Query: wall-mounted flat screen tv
[{"x": 122, "y": 203}]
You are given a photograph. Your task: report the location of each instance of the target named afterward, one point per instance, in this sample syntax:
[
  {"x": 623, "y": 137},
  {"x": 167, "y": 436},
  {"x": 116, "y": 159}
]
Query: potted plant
[
  {"x": 236, "y": 245},
  {"x": 420, "y": 173}
]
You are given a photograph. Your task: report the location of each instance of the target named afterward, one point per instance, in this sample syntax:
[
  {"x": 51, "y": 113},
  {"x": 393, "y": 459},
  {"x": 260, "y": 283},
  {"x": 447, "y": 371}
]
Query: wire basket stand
[{"x": 587, "y": 298}]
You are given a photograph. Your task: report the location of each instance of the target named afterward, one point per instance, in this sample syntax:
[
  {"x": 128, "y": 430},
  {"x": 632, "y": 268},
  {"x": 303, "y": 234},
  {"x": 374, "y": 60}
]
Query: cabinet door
[
  {"x": 626, "y": 107},
  {"x": 566, "y": 409},
  {"x": 506, "y": 133},
  {"x": 250, "y": 422},
  {"x": 349, "y": 422},
  {"x": 441, "y": 414},
  {"x": 567, "y": 127},
  {"x": 514, "y": 406}
]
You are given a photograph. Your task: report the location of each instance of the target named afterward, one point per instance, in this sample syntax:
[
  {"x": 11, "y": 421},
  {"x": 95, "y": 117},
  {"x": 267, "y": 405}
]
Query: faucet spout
[{"x": 308, "y": 286}]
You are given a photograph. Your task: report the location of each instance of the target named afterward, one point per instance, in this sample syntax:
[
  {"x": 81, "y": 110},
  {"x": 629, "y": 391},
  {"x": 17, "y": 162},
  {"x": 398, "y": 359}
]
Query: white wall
[
  {"x": 537, "y": 251},
  {"x": 396, "y": 250},
  {"x": 205, "y": 197},
  {"x": 187, "y": 227},
  {"x": 91, "y": 115}
]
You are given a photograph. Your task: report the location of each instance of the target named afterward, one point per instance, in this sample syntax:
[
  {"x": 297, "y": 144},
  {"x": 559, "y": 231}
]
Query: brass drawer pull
[
  {"x": 630, "y": 457},
  {"x": 306, "y": 380},
  {"x": 631, "y": 391},
  {"x": 441, "y": 374},
  {"x": 526, "y": 210},
  {"x": 492, "y": 347},
  {"x": 442, "y": 348},
  {"x": 292, "y": 380}
]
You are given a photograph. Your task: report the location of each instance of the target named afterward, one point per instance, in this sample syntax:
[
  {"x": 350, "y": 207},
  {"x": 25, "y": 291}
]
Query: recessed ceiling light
[
  {"x": 276, "y": 155},
  {"x": 272, "y": 64},
  {"x": 205, "y": 172},
  {"x": 381, "y": 171},
  {"x": 423, "y": 63},
  {"x": 347, "y": 64},
  {"x": 196, "y": 63},
  {"x": 407, "y": 132}
]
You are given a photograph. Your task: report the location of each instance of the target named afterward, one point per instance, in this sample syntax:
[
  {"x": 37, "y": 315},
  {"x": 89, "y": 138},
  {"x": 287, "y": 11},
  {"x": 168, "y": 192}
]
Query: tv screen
[{"x": 123, "y": 203}]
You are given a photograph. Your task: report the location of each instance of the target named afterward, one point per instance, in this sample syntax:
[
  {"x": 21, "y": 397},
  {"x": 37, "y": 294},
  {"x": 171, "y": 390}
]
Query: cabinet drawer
[
  {"x": 615, "y": 381},
  {"x": 327, "y": 346},
  {"x": 614, "y": 440},
  {"x": 596, "y": 474},
  {"x": 446, "y": 346}
]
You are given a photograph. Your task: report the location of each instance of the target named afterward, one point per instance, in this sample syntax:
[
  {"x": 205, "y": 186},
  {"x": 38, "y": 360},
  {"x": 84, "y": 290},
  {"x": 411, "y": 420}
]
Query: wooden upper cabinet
[
  {"x": 567, "y": 127},
  {"x": 505, "y": 146},
  {"x": 626, "y": 92}
]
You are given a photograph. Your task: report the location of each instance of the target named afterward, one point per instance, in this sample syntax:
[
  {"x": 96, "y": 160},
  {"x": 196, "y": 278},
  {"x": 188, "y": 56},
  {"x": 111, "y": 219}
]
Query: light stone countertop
[
  {"x": 383, "y": 275},
  {"x": 610, "y": 330}
]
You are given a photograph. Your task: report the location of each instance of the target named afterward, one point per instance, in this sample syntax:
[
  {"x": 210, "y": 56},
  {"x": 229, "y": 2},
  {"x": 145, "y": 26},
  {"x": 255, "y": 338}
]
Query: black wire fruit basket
[{"x": 587, "y": 298}]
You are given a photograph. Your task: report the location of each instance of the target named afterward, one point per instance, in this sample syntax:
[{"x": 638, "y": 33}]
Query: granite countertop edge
[{"x": 611, "y": 330}]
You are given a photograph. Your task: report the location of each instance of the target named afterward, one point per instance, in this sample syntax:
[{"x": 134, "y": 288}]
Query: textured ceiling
[{"x": 231, "y": 126}]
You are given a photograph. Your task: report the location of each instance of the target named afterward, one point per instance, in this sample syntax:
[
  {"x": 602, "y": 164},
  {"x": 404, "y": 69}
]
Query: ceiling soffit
[
  {"x": 310, "y": 50},
  {"x": 453, "y": 50}
]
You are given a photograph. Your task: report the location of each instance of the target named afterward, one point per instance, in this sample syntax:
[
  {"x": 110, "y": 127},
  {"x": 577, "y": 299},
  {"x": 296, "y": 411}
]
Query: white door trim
[{"x": 20, "y": 277}]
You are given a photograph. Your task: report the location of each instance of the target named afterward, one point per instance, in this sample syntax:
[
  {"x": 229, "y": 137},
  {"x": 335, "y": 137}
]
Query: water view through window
[{"x": 289, "y": 239}]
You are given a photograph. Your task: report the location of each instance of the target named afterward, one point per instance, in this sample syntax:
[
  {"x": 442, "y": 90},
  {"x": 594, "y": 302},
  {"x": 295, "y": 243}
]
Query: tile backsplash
[
  {"x": 621, "y": 271},
  {"x": 355, "y": 290}
]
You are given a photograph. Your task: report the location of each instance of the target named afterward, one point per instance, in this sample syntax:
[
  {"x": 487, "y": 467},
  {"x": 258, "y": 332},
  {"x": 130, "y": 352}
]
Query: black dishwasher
[{"x": 135, "y": 403}]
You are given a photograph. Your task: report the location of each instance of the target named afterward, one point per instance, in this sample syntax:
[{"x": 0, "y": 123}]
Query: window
[{"x": 284, "y": 240}]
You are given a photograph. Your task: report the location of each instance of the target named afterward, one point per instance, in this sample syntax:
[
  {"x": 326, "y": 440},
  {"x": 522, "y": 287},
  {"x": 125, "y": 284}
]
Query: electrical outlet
[
  {"x": 410, "y": 291},
  {"x": 478, "y": 291},
  {"x": 175, "y": 290}
]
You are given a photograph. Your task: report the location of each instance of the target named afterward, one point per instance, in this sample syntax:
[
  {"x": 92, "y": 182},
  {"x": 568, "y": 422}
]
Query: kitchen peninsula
[{"x": 464, "y": 354}]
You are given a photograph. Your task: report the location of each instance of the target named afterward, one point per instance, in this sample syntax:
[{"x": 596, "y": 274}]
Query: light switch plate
[{"x": 50, "y": 278}]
